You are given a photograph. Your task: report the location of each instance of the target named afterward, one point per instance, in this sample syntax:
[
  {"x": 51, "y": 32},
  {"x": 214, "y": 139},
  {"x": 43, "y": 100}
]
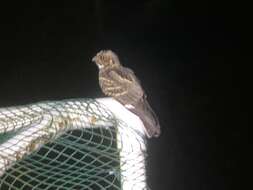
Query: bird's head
[{"x": 105, "y": 59}]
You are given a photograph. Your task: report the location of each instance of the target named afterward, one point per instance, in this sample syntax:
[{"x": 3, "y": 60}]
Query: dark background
[{"x": 187, "y": 55}]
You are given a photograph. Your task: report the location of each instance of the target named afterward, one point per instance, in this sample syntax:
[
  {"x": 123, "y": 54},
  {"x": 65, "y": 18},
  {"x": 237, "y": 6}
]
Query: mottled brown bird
[{"x": 121, "y": 83}]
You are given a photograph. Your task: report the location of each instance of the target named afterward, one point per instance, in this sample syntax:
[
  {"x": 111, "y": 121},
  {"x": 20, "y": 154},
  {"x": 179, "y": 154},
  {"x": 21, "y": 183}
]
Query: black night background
[{"x": 183, "y": 52}]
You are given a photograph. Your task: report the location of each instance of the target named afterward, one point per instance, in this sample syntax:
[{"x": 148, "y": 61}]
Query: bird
[{"x": 121, "y": 83}]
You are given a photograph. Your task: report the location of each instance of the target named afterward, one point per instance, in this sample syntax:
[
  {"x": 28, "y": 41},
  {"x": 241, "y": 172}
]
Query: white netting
[{"x": 71, "y": 144}]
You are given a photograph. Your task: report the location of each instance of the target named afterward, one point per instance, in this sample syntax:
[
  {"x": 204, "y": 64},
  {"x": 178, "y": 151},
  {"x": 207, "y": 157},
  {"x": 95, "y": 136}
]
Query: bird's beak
[{"x": 94, "y": 59}]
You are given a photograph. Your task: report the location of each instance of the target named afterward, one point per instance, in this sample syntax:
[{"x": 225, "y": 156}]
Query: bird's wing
[
  {"x": 112, "y": 84},
  {"x": 121, "y": 84},
  {"x": 131, "y": 75}
]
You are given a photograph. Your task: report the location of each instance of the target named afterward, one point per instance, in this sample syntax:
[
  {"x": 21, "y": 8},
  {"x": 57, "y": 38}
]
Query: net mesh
[{"x": 71, "y": 144}]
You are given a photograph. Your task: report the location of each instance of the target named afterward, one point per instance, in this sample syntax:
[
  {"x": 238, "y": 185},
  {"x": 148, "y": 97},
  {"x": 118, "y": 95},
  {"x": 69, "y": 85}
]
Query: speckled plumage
[{"x": 121, "y": 83}]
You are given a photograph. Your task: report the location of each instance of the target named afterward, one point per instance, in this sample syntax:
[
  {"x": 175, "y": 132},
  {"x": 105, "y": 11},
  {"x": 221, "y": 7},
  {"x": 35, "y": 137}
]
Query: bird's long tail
[{"x": 148, "y": 117}]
